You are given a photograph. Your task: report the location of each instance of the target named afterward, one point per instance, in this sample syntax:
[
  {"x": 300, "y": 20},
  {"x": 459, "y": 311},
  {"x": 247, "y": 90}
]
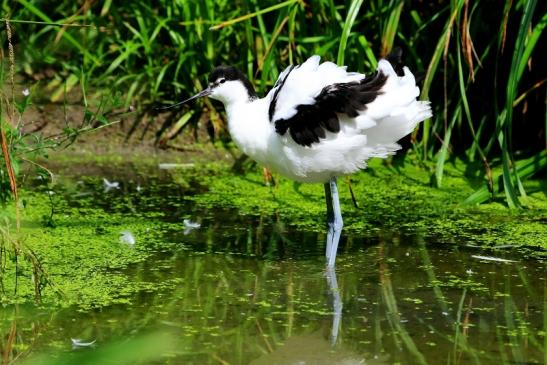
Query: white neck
[
  {"x": 250, "y": 127},
  {"x": 231, "y": 92}
]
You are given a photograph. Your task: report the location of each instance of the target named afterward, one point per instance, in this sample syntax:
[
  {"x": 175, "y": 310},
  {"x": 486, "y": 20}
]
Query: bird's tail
[{"x": 396, "y": 112}]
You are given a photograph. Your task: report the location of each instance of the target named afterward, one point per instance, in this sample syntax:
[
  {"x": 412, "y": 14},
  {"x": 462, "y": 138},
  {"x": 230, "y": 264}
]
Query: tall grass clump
[
  {"x": 480, "y": 65},
  {"x": 20, "y": 145}
]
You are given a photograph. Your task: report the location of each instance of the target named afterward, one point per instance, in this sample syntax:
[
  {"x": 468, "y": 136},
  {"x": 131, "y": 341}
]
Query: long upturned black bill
[{"x": 198, "y": 95}]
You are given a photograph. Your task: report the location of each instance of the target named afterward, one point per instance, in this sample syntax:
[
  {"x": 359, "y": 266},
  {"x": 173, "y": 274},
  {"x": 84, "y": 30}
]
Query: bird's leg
[
  {"x": 330, "y": 219},
  {"x": 334, "y": 220},
  {"x": 336, "y": 304}
]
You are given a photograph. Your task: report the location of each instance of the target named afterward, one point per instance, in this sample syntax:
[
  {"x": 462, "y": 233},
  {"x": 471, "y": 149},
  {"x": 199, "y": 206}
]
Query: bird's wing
[
  {"x": 274, "y": 94},
  {"x": 308, "y": 99}
]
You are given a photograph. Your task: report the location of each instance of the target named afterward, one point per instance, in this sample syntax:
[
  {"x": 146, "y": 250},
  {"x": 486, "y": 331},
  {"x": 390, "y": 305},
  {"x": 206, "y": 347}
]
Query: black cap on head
[
  {"x": 226, "y": 72},
  {"x": 230, "y": 73}
]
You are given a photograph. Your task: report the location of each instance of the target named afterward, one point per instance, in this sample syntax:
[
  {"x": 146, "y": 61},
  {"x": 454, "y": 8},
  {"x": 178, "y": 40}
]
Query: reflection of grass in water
[
  {"x": 398, "y": 329},
  {"x": 230, "y": 306},
  {"x": 459, "y": 339},
  {"x": 233, "y": 309},
  {"x": 461, "y": 345},
  {"x": 216, "y": 300},
  {"x": 428, "y": 267},
  {"x": 511, "y": 333},
  {"x": 517, "y": 332},
  {"x": 514, "y": 338}
]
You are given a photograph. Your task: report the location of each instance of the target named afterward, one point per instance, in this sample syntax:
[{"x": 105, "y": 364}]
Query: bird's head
[
  {"x": 226, "y": 84},
  {"x": 229, "y": 85}
]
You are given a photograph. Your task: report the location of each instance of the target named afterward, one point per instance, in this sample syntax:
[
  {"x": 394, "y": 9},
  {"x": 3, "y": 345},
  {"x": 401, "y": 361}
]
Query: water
[{"x": 253, "y": 290}]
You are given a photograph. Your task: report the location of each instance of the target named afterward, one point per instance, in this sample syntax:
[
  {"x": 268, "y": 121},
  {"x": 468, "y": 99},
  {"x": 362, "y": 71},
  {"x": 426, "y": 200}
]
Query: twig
[
  {"x": 47, "y": 23},
  {"x": 11, "y": 56}
]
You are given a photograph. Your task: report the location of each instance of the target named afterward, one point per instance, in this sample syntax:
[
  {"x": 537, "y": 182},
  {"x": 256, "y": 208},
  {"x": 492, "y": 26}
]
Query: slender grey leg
[
  {"x": 330, "y": 219},
  {"x": 334, "y": 220},
  {"x": 336, "y": 304}
]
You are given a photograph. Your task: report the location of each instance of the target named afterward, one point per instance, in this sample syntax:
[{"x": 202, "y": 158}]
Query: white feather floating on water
[
  {"x": 492, "y": 258},
  {"x": 127, "y": 238},
  {"x": 77, "y": 342},
  {"x": 110, "y": 185},
  {"x": 171, "y": 166},
  {"x": 188, "y": 223},
  {"x": 189, "y": 226}
]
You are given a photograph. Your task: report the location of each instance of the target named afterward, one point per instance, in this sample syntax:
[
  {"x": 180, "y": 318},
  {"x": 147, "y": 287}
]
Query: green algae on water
[
  {"x": 388, "y": 198},
  {"x": 80, "y": 249}
]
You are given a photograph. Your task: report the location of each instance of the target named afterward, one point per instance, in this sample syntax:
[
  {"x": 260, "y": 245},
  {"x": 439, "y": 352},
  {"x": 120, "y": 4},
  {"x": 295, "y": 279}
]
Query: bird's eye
[{"x": 222, "y": 81}]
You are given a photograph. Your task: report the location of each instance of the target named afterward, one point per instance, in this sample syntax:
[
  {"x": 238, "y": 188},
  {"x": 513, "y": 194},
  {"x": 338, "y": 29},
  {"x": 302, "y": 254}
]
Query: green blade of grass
[
  {"x": 508, "y": 186},
  {"x": 390, "y": 28},
  {"x": 292, "y": 33},
  {"x": 127, "y": 50},
  {"x": 254, "y": 14},
  {"x": 368, "y": 51},
  {"x": 268, "y": 54},
  {"x": 159, "y": 78},
  {"x": 519, "y": 62},
  {"x": 346, "y": 30},
  {"x": 37, "y": 12},
  {"x": 531, "y": 42},
  {"x": 64, "y": 88},
  {"x": 505, "y": 136},
  {"x": 106, "y": 7},
  {"x": 442, "y": 44},
  {"x": 443, "y": 152},
  {"x": 525, "y": 169}
]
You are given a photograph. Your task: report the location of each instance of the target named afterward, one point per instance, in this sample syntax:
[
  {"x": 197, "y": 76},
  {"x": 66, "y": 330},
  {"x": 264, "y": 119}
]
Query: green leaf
[
  {"x": 524, "y": 168},
  {"x": 346, "y": 30}
]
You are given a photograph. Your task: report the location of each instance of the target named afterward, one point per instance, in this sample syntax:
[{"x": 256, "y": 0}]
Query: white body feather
[{"x": 373, "y": 133}]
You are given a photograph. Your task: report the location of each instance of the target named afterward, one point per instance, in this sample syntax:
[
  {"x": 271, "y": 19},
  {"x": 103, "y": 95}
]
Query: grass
[{"x": 480, "y": 63}]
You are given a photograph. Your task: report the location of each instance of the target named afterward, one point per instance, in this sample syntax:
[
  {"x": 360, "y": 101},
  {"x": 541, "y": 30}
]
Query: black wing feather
[
  {"x": 310, "y": 122},
  {"x": 395, "y": 58}
]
